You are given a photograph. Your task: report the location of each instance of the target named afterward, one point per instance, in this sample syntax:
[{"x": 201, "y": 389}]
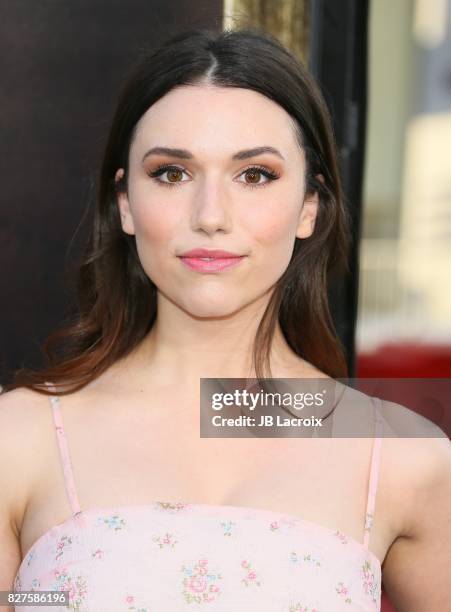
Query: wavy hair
[{"x": 116, "y": 301}]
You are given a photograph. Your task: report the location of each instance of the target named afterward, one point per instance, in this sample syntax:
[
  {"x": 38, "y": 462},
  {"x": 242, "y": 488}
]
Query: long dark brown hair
[{"x": 116, "y": 305}]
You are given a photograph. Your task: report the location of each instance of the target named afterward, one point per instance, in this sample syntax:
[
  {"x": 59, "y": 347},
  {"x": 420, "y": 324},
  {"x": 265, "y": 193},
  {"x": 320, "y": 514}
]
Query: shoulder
[
  {"x": 421, "y": 473},
  {"x": 415, "y": 460},
  {"x": 415, "y": 463},
  {"x": 418, "y": 454},
  {"x": 20, "y": 412},
  {"x": 416, "y": 573},
  {"x": 24, "y": 417}
]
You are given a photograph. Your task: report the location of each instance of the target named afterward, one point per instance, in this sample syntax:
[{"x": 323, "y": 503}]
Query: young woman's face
[{"x": 214, "y": 196}]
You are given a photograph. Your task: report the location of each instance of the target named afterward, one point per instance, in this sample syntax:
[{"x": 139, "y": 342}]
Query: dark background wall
[
  {"x": 62, "y": 63},
  {"x": 338, "y": 53}
]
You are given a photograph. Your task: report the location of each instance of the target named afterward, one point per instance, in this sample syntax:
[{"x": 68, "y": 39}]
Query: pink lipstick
[{"x": 210, "y": 260}]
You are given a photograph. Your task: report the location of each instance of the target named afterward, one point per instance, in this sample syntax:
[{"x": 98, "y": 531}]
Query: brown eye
[
  {"x": 254, "y": 174},
  {"x": 171, "y": 172},
  {"x": 174, "y": 173}
]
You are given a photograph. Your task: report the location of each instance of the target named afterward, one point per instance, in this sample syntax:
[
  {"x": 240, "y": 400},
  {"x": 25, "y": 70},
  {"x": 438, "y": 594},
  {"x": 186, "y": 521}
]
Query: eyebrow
[{"x": 184, "y": 154}]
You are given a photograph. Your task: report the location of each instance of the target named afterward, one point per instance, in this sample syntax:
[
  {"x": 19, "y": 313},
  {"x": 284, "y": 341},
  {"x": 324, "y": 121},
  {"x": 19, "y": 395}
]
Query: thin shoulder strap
[
  {"x": 374, "y": 473},
  {"x": 64, "y": 451}
]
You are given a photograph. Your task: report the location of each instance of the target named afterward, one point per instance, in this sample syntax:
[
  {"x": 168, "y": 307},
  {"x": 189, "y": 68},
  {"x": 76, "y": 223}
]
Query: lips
[
  {"x": 210, "y": 253},
  {"x": 210, "y": 260}
]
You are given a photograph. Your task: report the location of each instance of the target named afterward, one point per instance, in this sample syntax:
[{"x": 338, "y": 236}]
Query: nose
[{"x": 211, "y": 210}]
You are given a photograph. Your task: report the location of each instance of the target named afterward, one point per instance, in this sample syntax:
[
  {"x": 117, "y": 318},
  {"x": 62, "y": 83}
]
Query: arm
[
  {"x": 417, "y": 567},
  {"x": 12, "y": 486}
]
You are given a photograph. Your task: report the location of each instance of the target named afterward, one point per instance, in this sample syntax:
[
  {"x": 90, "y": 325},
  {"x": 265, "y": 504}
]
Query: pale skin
[{"x": 205, "y": 328}]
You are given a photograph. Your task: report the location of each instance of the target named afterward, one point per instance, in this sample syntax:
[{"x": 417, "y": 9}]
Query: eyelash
[{"x": 269, "y": 174}]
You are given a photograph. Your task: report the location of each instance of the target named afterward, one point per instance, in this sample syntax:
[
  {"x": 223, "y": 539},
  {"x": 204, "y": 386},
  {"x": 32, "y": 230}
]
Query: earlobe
[
  {"x": 124, "y": 206},
  {"x": 309, "y": 213}
]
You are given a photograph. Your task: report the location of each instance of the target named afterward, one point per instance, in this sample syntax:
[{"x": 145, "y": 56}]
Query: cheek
[
  {"x": 273, "y": 229},
  {"x": 155, "y": 229},
  {"x": 153, "y": 217},
  {"x": 154, "y": 224},
  {"x": 271, "y": 232}
]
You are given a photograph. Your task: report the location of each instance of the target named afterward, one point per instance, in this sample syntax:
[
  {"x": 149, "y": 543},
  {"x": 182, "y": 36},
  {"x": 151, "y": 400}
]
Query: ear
[
  {"x": 124, "y": 206},
  {"x": 309, "y": 212}
]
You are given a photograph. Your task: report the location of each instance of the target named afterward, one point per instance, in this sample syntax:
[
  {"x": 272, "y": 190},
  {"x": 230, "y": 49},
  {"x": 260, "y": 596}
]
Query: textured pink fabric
[{"x": 176, "y": 557}]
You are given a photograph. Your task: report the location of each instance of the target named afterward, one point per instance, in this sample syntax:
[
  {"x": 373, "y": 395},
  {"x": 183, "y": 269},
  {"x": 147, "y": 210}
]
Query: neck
[{"x": 185, "y": 348}]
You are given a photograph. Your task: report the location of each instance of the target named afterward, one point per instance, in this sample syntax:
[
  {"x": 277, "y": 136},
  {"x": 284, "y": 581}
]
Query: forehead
[{"x": 207, "y": 119}]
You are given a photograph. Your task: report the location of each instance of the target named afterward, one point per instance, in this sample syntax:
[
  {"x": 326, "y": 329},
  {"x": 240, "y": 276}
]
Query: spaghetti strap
[
  {"x": 374, "y": 474},
  {"x": 64, "y": 451}
]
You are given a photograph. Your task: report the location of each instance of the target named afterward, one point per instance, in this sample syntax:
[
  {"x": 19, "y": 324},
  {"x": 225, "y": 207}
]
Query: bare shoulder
[
  {"x": 419, "y": 470},
  {"x": 21, "y": 414},
  {"x": 402, "y": 422},
  {"x": 415, "y": 457},
  {"x": 18, "y": 411},
  {"x": 418, "y": 459},
  {"x": 24, "y": 416}
]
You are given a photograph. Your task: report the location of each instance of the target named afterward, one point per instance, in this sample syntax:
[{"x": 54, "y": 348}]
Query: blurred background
[
  {"x": 404, "y": 317},
  {"x": 385, "y": 70}
]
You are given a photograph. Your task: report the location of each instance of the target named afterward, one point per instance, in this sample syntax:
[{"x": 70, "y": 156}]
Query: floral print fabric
[
  {"x": 181, "y": 556},
  {"x": 184, "y": 556}
]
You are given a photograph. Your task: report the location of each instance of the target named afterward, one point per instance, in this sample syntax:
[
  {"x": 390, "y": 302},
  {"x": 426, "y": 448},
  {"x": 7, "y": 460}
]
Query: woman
[{"x": 220, "y": 142}]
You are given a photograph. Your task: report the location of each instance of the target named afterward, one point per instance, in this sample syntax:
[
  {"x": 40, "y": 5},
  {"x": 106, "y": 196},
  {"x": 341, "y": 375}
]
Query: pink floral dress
[{"x": 181, "y": 556}]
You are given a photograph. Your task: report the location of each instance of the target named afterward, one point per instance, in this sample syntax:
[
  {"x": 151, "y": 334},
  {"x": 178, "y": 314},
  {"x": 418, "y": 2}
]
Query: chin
[{"x": 209, "y": 307}]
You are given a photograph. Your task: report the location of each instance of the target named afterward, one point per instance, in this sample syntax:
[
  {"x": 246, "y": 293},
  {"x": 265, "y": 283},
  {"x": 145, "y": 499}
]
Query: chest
[
  {"x": 139, "y": 460},
  {"x": 164, "y": 458}
]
